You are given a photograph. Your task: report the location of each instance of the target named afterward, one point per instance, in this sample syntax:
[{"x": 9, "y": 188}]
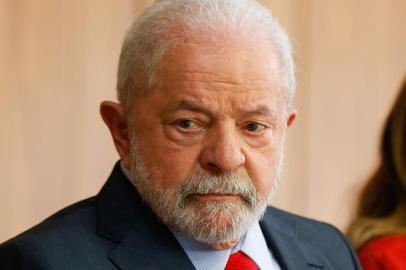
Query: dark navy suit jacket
[{"x": 116, "y": 230}]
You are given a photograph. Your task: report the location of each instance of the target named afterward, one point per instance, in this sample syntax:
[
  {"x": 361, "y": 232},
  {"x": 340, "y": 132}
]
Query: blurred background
[{"x": 58, "y": 61}]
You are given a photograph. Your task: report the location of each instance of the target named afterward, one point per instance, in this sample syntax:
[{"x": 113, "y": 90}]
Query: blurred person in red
[{"x": 379, "y": 231}]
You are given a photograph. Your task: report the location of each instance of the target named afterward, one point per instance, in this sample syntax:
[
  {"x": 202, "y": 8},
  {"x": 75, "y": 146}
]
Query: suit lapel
[
  {"x": 150, "y": 251},
  {"x": 282, "y": 238},
  {"x": 143, "y": 242}
]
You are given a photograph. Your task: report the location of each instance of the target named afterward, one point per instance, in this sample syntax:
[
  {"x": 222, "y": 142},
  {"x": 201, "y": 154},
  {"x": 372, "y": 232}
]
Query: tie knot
[{"x": 240, "y": 261}]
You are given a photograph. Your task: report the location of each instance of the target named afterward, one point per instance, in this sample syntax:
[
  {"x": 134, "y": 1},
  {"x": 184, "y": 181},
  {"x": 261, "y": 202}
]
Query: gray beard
[{"x": 207, "y": 222}]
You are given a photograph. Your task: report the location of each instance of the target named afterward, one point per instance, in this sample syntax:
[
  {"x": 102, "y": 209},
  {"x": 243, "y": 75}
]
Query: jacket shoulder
[
  {"x": 45, "y": 242},
  {"x": 317, "y": 239},
  {"x": 309, "y": 227},
  {"x": 80, "y": 213}
]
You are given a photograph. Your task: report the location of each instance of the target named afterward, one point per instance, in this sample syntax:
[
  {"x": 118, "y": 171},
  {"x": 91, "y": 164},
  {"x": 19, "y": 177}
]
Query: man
[{"x": 205, "y": 91}]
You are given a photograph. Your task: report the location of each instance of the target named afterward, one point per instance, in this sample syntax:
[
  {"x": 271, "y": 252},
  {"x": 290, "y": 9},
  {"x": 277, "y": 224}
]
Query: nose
[{"x": 222, "y": 152}]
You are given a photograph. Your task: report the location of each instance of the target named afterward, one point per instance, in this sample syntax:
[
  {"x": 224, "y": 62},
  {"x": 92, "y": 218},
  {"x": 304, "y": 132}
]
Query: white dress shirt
[{"x": 252, "y": 244}]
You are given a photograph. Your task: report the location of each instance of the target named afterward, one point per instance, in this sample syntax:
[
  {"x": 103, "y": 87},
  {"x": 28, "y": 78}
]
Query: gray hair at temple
[{"x": 168, "y": 23}]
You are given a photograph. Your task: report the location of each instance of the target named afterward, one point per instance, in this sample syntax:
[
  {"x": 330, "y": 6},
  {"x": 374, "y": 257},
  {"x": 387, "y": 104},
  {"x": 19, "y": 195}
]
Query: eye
[
  {"x": 189, "y": 125},
  {"x": 185, "y": 123},
  {"x": 255, "y": 127}
]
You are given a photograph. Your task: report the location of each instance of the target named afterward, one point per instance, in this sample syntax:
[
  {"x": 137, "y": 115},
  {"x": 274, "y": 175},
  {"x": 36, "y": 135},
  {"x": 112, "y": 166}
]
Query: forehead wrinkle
[
  {"x": 220, "y": 79},
  {"x": 219, "y": 85}
]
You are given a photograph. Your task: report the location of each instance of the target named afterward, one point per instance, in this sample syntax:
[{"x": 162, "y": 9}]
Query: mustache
[{"x": 222, "y": 184}]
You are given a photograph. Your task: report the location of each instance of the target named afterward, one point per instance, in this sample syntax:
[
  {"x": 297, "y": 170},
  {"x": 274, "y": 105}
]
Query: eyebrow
[
  {"x": 189, "y": 106},
  {"x": 262, "y": 110}
]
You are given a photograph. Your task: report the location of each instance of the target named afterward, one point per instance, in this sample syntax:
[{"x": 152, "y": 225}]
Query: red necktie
[{"x": 240, "y": 261}]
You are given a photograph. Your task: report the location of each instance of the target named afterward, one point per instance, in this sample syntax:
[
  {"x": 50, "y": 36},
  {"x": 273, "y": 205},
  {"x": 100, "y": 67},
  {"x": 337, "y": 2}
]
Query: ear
[
  {"x": 292, "y": 117},
  {"x": 114, "y": 117}
]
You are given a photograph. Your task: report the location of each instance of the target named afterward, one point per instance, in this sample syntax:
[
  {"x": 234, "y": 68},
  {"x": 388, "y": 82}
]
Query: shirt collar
[{"x": 252, "y": 244}]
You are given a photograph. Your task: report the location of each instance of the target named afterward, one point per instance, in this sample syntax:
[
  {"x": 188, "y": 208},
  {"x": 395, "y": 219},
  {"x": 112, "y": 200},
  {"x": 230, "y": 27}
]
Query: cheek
[
  {"x": 262, "y": 167},
  {"x": 168, "y": 165}
]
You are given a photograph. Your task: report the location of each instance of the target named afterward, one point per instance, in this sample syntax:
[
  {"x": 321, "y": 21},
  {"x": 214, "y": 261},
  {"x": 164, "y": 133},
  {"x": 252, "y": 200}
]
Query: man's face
[{"x": 207, "y": 139}]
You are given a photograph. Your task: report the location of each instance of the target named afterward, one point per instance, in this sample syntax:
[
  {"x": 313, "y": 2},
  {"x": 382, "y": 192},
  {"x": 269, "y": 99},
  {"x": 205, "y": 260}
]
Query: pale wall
[{"x": 58, "y": 61}]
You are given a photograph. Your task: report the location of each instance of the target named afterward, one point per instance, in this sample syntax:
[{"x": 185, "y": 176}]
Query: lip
[{"x": 216, "y": 197}]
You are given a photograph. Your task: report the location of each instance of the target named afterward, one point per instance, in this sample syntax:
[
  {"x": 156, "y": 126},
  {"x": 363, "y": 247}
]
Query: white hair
[{"x": 169, "y": 23}]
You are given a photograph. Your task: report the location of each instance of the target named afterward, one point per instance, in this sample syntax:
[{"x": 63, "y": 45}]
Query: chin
[{"x": 216, "y": 222}]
